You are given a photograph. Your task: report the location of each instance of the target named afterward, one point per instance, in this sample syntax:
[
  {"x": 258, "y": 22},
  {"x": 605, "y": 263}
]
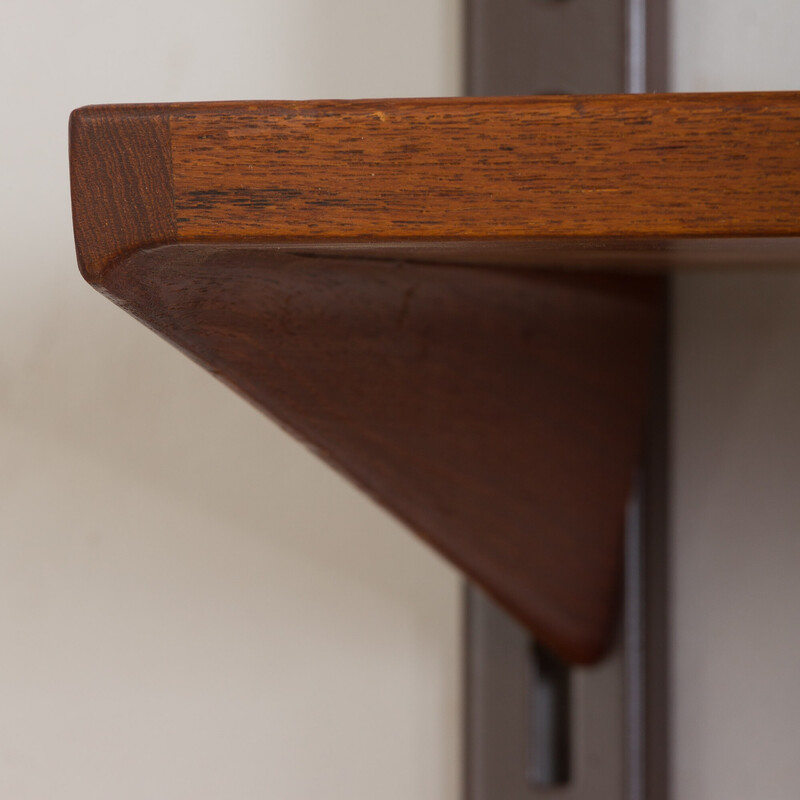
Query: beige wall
[
  {"x": 190, "y": 605},
  {"x": 736, "y": 477}
]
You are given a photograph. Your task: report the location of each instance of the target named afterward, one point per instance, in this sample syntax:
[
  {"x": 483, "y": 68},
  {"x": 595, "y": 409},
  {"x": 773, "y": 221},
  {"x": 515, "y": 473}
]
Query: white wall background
[
  {"x": 736, "y": 476},
  {"x": 190, "y": 605}
]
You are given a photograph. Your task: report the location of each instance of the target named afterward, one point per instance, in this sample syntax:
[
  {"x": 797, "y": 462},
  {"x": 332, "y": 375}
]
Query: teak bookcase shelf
[{"x": 454, "y": 302}]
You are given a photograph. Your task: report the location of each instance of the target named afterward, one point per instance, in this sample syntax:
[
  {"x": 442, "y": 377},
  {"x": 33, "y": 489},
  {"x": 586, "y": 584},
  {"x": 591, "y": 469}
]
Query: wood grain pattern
[
  {"x": 120, "y": 161},
  {"x": 641, "y": 165},
  {"x": 379, "y": 278},
  {"x": 656, "y": 180}
]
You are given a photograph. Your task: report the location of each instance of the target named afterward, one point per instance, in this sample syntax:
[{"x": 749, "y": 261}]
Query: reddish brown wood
[
  {"x": 665, "y": 180},
  {"x": 376, "y": 276},
  {"x": 642, "y": 165},
  {"x": 120, "y": 161},
  {"x": 496, "y": 412}
]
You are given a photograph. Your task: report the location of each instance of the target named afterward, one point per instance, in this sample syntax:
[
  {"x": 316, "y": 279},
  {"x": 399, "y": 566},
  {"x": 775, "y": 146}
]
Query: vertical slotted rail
[{"x": 536, "y": 728}]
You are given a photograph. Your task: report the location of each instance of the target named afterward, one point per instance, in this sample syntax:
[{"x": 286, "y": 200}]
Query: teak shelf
[{"x": 454, "y": 302}]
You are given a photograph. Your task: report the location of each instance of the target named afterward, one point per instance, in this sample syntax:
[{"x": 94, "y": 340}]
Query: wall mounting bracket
[{"x": 537, "y": 727}]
